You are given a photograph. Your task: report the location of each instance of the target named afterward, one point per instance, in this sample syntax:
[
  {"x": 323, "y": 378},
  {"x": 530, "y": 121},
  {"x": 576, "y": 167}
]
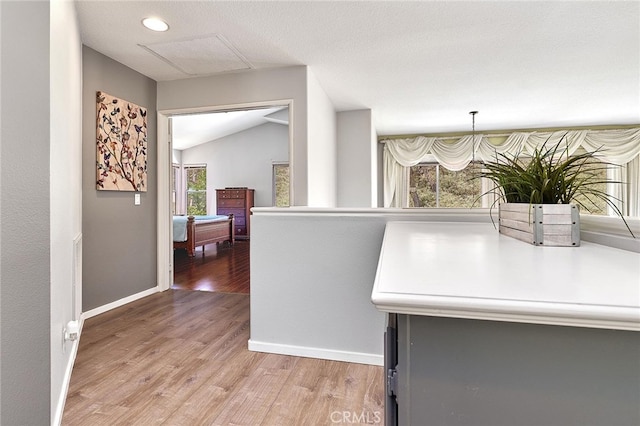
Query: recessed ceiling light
[{"x": 155, "y": 24}]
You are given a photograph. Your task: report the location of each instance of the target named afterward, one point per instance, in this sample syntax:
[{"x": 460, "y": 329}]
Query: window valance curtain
[{"x": 614, "y": 146}]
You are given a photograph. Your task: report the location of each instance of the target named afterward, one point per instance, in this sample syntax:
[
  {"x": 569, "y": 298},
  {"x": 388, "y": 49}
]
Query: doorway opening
[{"x": 238, "y": 152}]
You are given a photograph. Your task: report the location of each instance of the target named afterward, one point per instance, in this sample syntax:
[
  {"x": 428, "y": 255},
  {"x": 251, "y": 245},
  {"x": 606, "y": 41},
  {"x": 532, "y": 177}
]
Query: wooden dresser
[{"x": 236, "y": 201}]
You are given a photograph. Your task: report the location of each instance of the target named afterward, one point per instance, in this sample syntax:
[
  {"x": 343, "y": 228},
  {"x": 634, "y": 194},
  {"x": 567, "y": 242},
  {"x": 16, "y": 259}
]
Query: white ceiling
[
  {"x": 419, "y": 66},
  {"x": 195, "y": 129}
]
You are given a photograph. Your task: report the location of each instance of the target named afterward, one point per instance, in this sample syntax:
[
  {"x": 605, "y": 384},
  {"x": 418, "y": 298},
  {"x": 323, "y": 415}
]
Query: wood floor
[
  {"x": 180, "y": 358},
  {"x": 221, "y": 267}
]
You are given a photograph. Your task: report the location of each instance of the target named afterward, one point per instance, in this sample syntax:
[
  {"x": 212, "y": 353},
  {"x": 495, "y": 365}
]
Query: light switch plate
[{"x": 136, "y": 199}]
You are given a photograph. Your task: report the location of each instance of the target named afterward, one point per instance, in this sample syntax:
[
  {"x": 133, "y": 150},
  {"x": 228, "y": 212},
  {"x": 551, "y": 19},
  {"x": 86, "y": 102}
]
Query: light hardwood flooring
[{"x": 180, "y": 358}]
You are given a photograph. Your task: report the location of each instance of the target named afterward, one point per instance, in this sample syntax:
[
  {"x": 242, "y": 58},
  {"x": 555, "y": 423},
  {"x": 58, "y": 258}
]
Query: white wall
[
  {"x": 176, "y": 156},
  {"x": 357, "y": 161},
  {"x": 268, "y": 86},
  {"x": 66, "y": 192},
  {"x": 321, "y": 148},
  {"x": 242, "y": 159}
]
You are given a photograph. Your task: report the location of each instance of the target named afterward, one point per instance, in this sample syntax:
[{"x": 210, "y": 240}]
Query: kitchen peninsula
[{"x": 484, "y": 329}]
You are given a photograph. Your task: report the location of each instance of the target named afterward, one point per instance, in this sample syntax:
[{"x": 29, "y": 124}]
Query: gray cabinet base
[{"x": 471, "y": 372}]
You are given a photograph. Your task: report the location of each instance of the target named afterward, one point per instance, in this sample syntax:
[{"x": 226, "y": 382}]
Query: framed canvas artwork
[{"x": 121, "y": 141}]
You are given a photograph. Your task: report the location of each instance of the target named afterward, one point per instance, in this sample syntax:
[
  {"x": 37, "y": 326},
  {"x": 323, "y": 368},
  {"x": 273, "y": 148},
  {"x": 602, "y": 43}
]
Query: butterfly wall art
[{"x": 121, "y": 141}]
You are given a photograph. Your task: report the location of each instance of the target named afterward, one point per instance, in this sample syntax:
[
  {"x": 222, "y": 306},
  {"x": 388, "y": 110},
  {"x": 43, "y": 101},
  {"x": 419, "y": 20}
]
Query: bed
[{"x": 190, "y": 232}]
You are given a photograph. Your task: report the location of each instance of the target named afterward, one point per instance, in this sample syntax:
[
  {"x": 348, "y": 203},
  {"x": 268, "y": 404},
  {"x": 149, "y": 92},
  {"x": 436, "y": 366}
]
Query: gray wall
[
  {"x": 119, "y": 238},
  {"x": 242, "y": 159},
  {"x": 312, "y": 273},
  {"x": 357, "y": 159},
  {"x": 380, "y": 162},
  {"x": 25, "y": 372}
]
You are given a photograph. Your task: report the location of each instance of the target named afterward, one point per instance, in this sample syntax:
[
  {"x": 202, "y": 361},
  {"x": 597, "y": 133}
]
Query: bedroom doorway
[{"x": 169, "y": 196}]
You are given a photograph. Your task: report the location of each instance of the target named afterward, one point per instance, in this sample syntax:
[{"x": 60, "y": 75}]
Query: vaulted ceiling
[
  {"x": 195, "y": 129},
  {"x": 420, "y": 66}
]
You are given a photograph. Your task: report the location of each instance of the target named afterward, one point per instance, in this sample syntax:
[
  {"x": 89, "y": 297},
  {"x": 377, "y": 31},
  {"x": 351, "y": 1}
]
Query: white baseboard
[
  {"x": 321, "y": 353},
  {"x": 57, "y": 418},
  {"x": 109, "y": 306}
]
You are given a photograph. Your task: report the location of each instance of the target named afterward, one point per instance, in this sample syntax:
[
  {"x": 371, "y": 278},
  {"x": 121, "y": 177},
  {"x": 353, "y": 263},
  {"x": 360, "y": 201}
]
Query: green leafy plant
[{"x": 550, "y": 177}]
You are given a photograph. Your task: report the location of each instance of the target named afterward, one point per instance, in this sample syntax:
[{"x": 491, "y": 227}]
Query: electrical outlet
[
  {"x": 71, "y": 331},
  {"x": 136, "y": 199}
]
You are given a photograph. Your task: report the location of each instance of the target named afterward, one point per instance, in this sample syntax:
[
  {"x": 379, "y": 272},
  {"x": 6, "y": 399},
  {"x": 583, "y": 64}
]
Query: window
[
  {"x": 281, "y": 184},
  {"x": 196, "y": 183},
  {"x": 431, "y": 185},
  {"x": 598, "y": 174},
  {"x": 175, "y": 182}
]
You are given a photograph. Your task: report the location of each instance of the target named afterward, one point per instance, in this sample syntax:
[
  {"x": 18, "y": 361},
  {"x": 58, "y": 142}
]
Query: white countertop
[{"x": 469, "y": 270}]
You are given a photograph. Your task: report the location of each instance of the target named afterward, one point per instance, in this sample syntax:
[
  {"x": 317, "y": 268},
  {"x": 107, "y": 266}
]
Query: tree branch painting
[{"x": 121, "y": 141}]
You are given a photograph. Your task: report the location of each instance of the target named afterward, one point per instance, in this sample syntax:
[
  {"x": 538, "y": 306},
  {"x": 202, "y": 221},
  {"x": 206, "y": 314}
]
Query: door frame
[{"x": 165, "y": 156}]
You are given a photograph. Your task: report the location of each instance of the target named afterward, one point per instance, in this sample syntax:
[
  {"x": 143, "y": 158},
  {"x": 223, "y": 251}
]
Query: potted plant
[{"x": 539, "y": 201}]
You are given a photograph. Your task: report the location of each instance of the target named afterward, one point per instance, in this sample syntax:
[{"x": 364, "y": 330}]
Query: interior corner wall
[
  {"x": 1, "y": 84},
  {"x": 357, "y": 164},
  {"x": 242, "y": 159},
  {"x": 119, "y": 238},
  {"x": 247, "y": 87},
  {"x": 66, "y": 190},
  {"x": 322, "y": 154},
  {"x": 25, "y": 312},
  {"x": 380, "y": 168},
  {"x": 375, "y": 173}
]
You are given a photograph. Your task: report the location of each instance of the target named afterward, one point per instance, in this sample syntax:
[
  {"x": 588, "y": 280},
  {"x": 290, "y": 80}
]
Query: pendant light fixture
[{"x": 473, "y": 136}]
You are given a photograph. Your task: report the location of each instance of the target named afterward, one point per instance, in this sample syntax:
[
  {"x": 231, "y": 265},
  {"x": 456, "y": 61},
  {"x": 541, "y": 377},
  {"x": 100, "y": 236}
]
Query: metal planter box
[{"x": 541, "y": 224}]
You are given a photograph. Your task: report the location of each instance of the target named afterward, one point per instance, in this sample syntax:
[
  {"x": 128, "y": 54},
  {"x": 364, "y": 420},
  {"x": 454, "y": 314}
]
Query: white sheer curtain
[
  {"x": 614, "y": 146},
  {"x": 398, "y": 157},
  {"x": 632, "y": 199},
  {"x": 627, "y": 193}
]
